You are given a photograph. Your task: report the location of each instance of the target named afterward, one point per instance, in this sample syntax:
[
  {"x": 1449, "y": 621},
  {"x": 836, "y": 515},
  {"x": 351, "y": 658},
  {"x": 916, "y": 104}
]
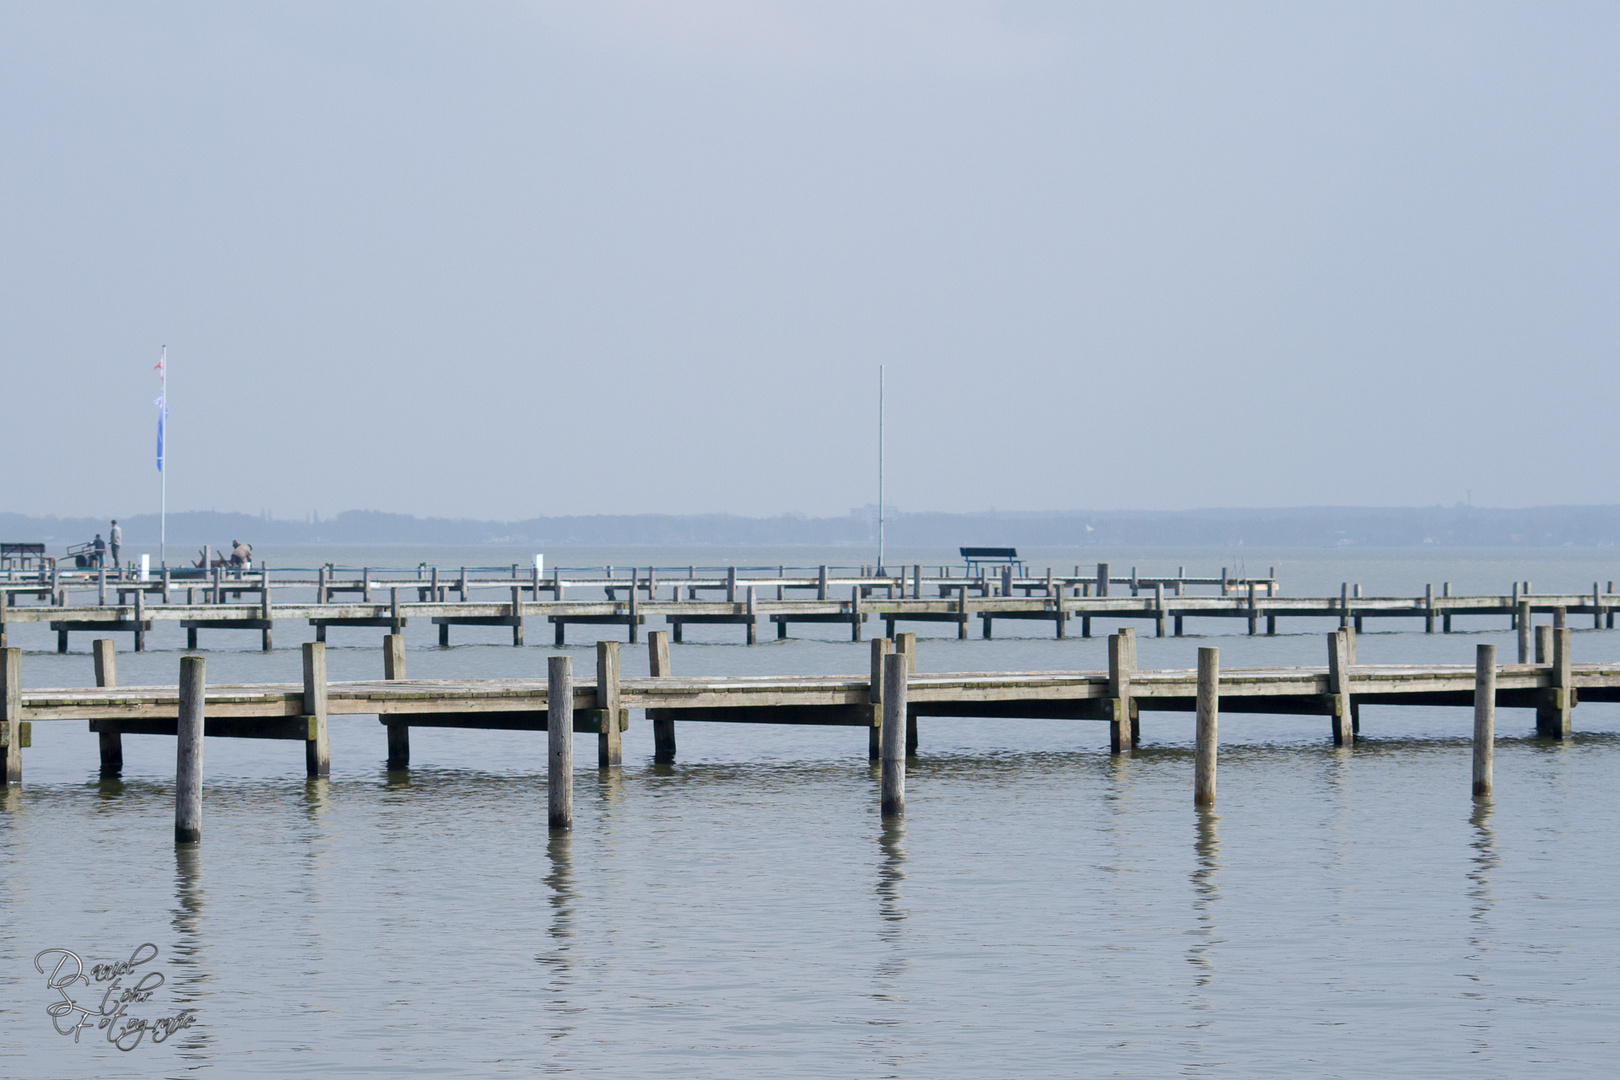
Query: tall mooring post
[{"x": 560, "y": 742}]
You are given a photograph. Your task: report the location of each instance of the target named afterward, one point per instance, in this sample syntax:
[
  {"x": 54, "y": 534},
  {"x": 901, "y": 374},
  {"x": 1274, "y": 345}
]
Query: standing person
[
  {"x": 98, "y": 550},
  {"x": 115, "y": 540}
]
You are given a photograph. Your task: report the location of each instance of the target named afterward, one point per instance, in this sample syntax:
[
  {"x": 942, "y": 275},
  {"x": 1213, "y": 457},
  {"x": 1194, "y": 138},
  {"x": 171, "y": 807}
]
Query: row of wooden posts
[{"x": 892, "y": 737}]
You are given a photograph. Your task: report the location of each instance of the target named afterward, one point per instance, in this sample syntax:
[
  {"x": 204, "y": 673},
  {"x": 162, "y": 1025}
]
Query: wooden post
[
  {"x": 1428, "y": 608},
  {"x": 1523, "y": 621},
  {"x": 517, "y": 614},
  {"x": 112, "y": 741},
  {"x": 189, "y": 752},
  {"x": 1560, "y": 617},
  {"x": 1553, "y": 719},
  {"x": 1484, "y": 717},
  {"x": 731, "y": 584},
  {"x": 635, "y": 622},
  {"x": 961, "y": 614},
  {"x": 1158, "y": 610},
  {"x": 462, "y": 587},
  {"x": 399, "y": 735},
  {"x": 165, "y": 583},
  {"x": 11, "y": 715},
  {"x": 1445, "y": 620},
  {"x": 265, "y": 642},
  {"x": 821, "y": 585},
  {"x": 1102, "y": 580},
  {"x": 317, "y": 754},
  {"x": 560, "y": 741},
  {"x": 905, "y": 644},
  {"x": 752, "y": 638},
  {"x": 855, "y": 613},
  {"x": 365, "y": 585},
  {"x": 1121, "y": 662},
  {"x": 140, "y": 621},
  {"x": 894, "y": 722},
  {"x": 916, "y": 582},
  {"x": 1209, "y": 700},
  {"x": 1339, "y": 664},
  {"x": 1597, "y": 607},
  {"x": 1544, "y": 644},
  {"x": 609, "y": 746},
  {"x": 101, "y": 586},
  {"x": 881, "y": 647},
  {"x": 658, "y": 667}
]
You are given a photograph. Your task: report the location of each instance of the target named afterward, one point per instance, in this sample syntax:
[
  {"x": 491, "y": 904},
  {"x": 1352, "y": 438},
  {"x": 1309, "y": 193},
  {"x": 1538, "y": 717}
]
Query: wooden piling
[
  {"x": 560, "y": 741},
  {"x": 1209, "y": 698},
  {"x": 1544, "y": 644},
  {"x": 893, "y": 735},
  {"x": 1158, "y": 610},
  {"x": 821, "y": 585},
  {"x": 1428, "y": 608},
  {"x": 752, "y": 631},
  {"x": 111, "y": 739},
  {"x": 658, "y": 667},
  {"x": 399, "y": 735},
  {"x": 11, "y": 715},
  {"x": 1344, "y": 605},
  {"x": 961, "y": 614},
  {"x": 266, "y": 643},
  {"x": 905, "y": 644},
  {"x": 317, "y": 754},
  {"x": 1121, "y": 662},
  {"x": 1523, "y": 622},
  {"x": 1102, "y": 580},
  {"x": 855, "y": 613},
  {"x": 634, "y": 582},
  {"x": 140, "y": 620},
  {"x": 517, "y": 613},
  {"x": 881, "y": 647},
  {"x": 1484, "y": 717},
  {"x": 1553, "y": 718},
  {"x": 609, "y": 744},
  {"x": 1339, "y": 664},
  {"x": 189, "y": 752}
]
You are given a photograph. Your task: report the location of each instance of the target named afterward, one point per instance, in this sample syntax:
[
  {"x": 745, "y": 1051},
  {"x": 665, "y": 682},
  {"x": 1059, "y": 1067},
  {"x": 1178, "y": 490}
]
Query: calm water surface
[{"x": 1043, "y": 909}]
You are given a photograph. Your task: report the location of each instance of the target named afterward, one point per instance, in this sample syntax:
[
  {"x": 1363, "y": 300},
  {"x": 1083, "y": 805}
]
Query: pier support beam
[
  {"x": 905, "y": 644},
  {"x": 1209, "y": 697},
  {"x": 111, "y": 739},
  {"x": 1339, "y": 664},
  {"x": 1484, "y": 718},
  {"x": 893, "y": 734},
  {"x": 1522, "y": 621},
  {"x": 517, "y": 612},
  {"x": 560, "y": 741},
  {"x": 1123, "y": 732},
  {"x": 189, "y": 752},
  {"x": 658, "y": 667},
  {"x": 1553, "y": 718},
  {"x": 399, "y": 735},
  {"x": 881, "y": 647},
  {"x": 10, "y": 716},
  {"x": 317, "y": 754},
  {"x": 609, "y": 746}
]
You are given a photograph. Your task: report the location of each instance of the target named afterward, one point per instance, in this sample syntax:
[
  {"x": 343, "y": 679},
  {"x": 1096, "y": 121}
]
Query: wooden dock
[{"x": 1118, "y": 697}]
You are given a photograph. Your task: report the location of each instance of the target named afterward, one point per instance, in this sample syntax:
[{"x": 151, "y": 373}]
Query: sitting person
[{"x": 100, "y": 545}]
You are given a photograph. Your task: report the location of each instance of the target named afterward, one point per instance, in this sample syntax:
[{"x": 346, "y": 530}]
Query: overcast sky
[{"x": 510, "y": 259}]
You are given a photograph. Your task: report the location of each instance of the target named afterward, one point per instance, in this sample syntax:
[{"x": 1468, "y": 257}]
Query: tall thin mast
[
  {"x": 163, "y": 459},
  {"x": 880, "y": 469}
]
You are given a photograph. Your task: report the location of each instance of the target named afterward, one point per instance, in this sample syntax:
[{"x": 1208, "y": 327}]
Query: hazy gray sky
[{"x": 508, "y": 259}]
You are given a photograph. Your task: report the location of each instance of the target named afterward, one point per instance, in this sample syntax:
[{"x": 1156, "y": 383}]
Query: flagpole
[
  {"x": 163, "y": 455},
  {"x": 880, "y": 469}
]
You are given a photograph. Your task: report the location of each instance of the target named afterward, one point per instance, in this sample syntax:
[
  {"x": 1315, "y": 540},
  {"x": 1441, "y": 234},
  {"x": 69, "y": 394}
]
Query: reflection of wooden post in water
[
  {"x": 560, "y": 741},
  {"x": 658, "y": 667},
  {"x": 188, "y": 754},
  {"x": 112, "y": 740},
  {"x": 399, "y": 735},
  {"x": 1484, "y": 717},
  {"x": 1209, "y": 698},
  {"x": 894, "y": 735}
]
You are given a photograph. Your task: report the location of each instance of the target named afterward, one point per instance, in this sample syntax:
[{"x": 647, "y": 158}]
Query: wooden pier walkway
[{"x": 1118, "y": 696}]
